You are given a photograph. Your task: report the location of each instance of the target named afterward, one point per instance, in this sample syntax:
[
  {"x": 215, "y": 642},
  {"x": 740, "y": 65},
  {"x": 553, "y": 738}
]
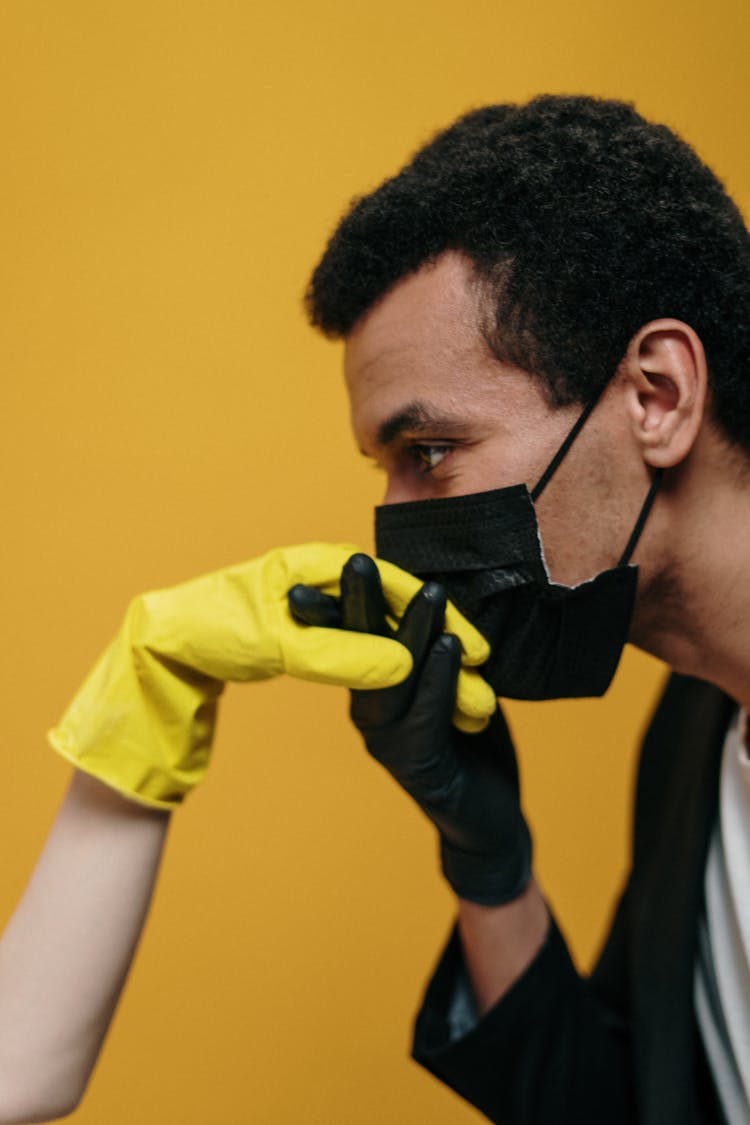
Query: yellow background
[{"x": 170, "y": 171}]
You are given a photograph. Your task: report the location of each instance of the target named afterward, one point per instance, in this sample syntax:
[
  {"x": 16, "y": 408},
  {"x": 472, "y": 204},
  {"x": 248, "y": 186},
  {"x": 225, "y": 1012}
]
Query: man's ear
[{"x": 666, "y": 372}]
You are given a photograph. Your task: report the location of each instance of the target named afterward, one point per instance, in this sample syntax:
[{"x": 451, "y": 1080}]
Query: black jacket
[{"x": 621, "y": 1046}]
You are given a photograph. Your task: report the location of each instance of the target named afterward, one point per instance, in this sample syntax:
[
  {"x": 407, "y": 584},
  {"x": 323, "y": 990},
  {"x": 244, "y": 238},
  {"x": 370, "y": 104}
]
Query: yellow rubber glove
[{"x": 143, "y": 721}]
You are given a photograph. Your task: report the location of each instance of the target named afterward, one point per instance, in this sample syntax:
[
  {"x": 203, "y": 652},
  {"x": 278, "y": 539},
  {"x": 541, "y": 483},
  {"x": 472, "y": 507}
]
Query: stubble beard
[{"x": 661, "y": 623}]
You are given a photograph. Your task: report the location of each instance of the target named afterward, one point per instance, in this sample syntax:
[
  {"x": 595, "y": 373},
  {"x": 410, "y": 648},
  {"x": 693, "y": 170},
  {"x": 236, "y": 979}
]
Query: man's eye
[{"x": 429, "y": 457}]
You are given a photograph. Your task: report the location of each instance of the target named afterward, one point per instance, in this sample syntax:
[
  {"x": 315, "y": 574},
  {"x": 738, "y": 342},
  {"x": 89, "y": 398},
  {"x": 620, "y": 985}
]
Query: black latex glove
[{"x": 467, "y": 784}]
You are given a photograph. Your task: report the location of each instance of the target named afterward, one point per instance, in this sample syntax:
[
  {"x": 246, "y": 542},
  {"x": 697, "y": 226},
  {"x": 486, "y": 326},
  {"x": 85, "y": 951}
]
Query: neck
[{"x": 695, "y": 612}]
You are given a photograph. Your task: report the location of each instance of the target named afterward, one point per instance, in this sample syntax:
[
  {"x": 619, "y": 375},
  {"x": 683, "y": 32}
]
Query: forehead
[{"x": 422, "y": 343}]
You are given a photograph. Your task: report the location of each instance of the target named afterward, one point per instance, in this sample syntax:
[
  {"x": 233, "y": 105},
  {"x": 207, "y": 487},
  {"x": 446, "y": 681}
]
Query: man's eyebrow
[{"x": 417, "y": 417}]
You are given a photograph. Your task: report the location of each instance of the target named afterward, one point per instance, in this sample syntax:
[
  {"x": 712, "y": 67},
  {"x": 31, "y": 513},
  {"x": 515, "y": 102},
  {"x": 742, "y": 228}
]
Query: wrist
[
  {"x": 500, "y": 942},
  {"x": 488, "y": 880}
]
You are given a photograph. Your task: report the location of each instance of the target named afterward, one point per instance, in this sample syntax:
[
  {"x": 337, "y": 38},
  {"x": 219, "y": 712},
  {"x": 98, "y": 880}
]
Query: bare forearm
[
  {"x": 66, "y": 951},
  {"x": 500, "y": 942}
]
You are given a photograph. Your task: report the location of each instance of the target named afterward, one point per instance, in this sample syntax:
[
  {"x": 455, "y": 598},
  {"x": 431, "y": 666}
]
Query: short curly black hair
[{"x": 583, "y": 222}]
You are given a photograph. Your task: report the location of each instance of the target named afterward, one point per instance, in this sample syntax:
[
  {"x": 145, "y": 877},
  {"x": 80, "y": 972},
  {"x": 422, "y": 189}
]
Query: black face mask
[{"x": 547, "y": 641}]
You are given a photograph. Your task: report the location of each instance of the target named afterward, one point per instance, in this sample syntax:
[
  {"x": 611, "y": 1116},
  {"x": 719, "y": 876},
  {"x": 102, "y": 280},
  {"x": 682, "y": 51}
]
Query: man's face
[{"x": 443, "y": 417}]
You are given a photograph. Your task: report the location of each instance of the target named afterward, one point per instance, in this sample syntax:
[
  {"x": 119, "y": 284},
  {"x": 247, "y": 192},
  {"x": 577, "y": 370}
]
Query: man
[
  {"x": 566, "y": 270},
  {"x": 546, "y": 317}
]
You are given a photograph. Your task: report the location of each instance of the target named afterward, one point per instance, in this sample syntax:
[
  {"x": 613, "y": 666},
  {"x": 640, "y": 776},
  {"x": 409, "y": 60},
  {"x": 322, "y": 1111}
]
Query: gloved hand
[
  {"x": 363, "y": 608},
  {"x": 467, "y": 784},
  {"x": 143, "y": 721}
]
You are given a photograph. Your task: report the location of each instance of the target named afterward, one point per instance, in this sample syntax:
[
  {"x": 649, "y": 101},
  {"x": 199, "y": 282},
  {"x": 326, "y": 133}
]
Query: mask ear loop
[
  {"x": 554, "y": 464},
  {"x": 636, "y": 533}
]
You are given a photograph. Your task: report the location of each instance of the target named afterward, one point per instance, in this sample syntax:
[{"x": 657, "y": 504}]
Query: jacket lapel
[{"x": 675, "y": 813}]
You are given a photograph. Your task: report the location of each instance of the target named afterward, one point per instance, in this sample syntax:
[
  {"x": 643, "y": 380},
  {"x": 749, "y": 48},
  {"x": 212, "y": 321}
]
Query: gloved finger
[
  {"x": 311, "y": 606},
  {"x": 476, "y": 649},
  {"x": 436, "y": 692},
  {"x": 420, "y": 626},
  {"x": 399, "y": 588},
  {"x": 475, "y": 701},
  {"x": 417, "y": 749},
  {"x": 338, "y": 656},
  {"x": 363, "y": 605},
  {"x": 422, "y": 622},
  {"x": 468, "y": 726}
]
